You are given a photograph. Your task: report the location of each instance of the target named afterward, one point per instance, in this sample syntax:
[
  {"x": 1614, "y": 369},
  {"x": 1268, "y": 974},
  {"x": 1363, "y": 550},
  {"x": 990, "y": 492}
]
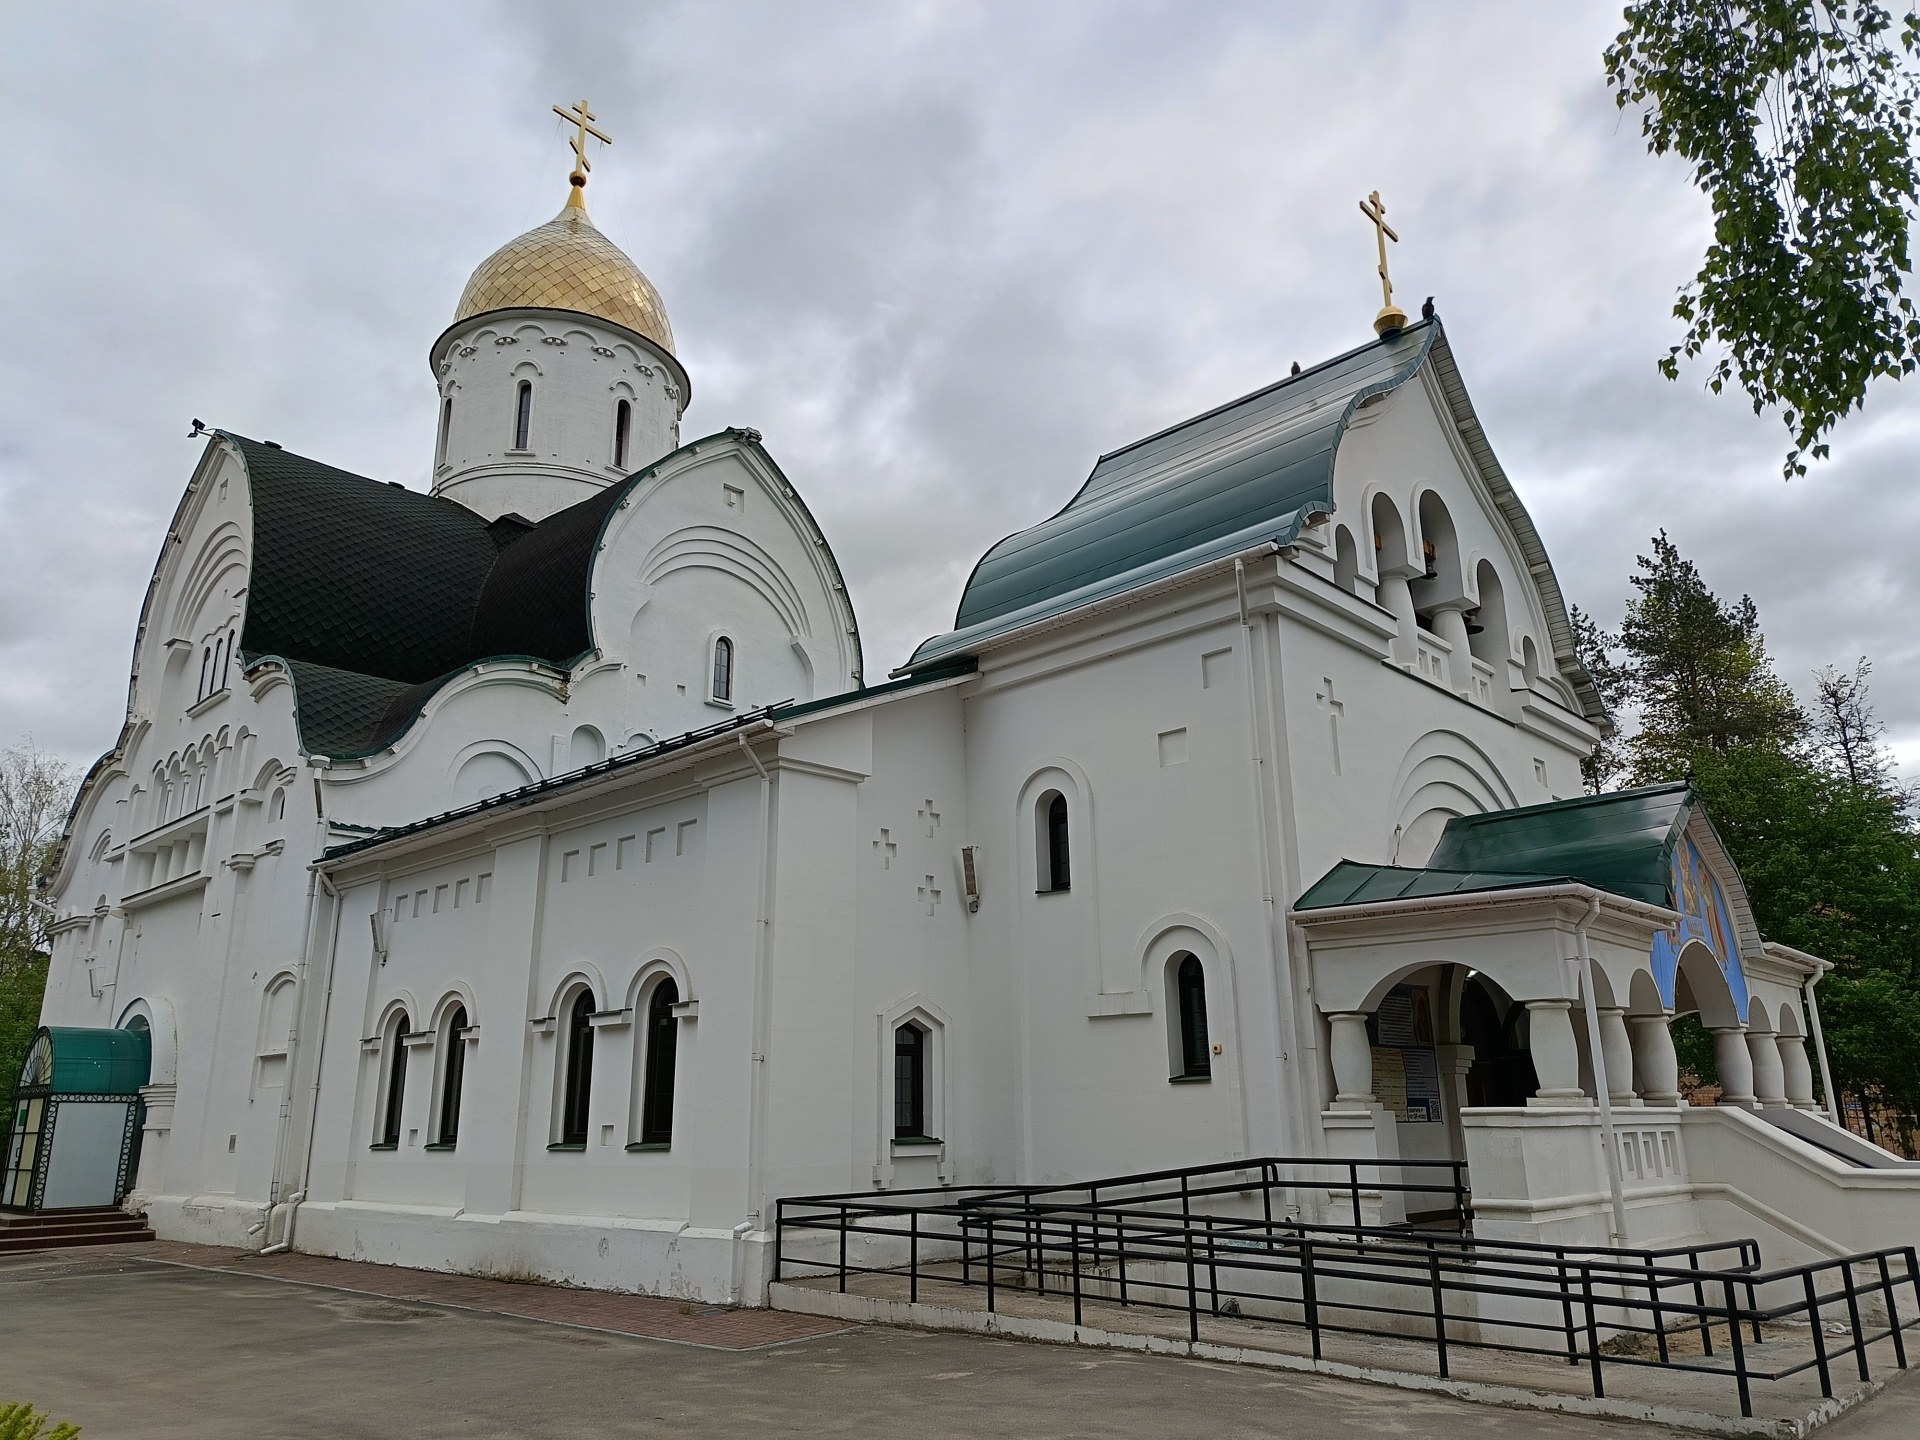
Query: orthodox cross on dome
[
  {"x": 1392, "y": 319},
  {"x": 581, "y": 116}
]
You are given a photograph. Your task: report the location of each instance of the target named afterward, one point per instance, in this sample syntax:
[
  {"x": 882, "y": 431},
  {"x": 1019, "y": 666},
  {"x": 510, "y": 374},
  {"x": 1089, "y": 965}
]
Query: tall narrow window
[
  {"x": 206, "y": 669},
  {"x": 454, "y": 1077},
  {"x": 226, "y": 665},
  {"x": 522, "y": 414},
  {"x": 1196, "y": 1055},
  {"x": 622, "y": 427},
  {"x": 573, "y": 1110},
  {"x": 396, "y": 1082},
  {"x": 723, "y": 669},
  {"x": 446, "y": 428},
  {"x": 663, "y": 1043},
  {"x": 1057, "y": 872},
  {"x": 909, "y": 1082}
]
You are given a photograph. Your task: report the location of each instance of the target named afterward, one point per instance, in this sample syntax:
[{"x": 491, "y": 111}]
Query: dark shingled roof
[
  {"x": 358, "y": 575},
  {"x": 534, "y": 601},
  {"x": 375, "y": 595}
]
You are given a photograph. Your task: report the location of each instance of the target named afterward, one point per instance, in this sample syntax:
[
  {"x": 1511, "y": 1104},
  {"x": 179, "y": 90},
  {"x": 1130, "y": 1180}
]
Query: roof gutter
[
  {"x": 549, "y": 795},
  {"x": 1484, "y": 899}
]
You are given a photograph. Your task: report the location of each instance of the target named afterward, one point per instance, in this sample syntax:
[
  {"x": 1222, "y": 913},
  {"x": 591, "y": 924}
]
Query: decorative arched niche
[
  {"x": 1443, "y": 774},
  {"x": 488, "y": 769}
]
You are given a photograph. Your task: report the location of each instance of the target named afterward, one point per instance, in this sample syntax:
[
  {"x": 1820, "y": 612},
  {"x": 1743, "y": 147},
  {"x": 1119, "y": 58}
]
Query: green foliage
[
  {"x": 20, "y": 1421},
  {"x": 35, "y": 793},
  {"x": 1693, "y": 1047},
  {"x": 1796, "y": 118},
  {"x": 1824, "y": 838}
]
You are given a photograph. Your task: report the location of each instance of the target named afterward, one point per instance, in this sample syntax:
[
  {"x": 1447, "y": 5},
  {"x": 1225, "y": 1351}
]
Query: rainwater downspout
[
  {"x": 1598, "y": 1052},
  {"x": 1287, "y": 1021},
  {"x": 292, "y": 1202},
  {"x": 757, "y": 1106},
  {"x": 1820, "y": 1049}
]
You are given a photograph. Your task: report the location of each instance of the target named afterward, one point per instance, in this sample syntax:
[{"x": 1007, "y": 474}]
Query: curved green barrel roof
[
  {"x": 1251, "y": 471},
  {"x": 87, "y": 1062}
]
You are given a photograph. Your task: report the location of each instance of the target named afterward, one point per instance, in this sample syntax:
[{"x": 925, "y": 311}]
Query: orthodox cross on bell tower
[
  {"x": 1392, "y": 319},
  {"x": 582, "y": 117}
]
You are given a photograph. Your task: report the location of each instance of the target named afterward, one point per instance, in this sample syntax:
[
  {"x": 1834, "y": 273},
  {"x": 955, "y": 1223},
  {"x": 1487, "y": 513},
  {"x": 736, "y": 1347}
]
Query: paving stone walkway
[{"x": 715, "y": 1326}]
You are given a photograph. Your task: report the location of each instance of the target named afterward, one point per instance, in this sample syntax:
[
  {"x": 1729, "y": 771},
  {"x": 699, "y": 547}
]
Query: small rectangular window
[
  {"x": 909, "y": 1082},
  {"x": 523, "y": 415}
]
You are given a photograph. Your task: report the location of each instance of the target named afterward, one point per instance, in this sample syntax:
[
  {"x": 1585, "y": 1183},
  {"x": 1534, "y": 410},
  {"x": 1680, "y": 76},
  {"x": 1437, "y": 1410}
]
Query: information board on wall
[{"x": 1406, "y": 1072}]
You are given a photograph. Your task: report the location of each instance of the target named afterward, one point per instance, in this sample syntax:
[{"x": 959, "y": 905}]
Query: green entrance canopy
[{"x": 65, "y": 1060}]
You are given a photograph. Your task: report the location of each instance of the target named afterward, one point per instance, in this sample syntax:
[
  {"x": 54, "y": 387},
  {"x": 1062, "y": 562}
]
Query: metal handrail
[{"x": 1588, "y": 1306}]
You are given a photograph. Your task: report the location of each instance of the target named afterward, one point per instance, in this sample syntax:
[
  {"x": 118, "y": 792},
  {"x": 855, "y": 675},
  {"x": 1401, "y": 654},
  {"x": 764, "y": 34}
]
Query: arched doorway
[{"x": 1502, "y": 1072}]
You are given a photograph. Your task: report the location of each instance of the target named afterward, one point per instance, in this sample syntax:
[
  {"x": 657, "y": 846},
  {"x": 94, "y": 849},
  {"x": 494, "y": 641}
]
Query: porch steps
[{"x": 50, "y": 1229}]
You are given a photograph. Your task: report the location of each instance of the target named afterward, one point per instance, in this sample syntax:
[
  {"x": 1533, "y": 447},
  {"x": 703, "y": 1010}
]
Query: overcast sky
[{"x": 941, "y": 254}]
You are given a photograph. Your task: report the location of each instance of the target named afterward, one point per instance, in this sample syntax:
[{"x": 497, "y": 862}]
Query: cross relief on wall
[
  {"x": 884, "y": 849},
  {"x": 1334, "y": 709},
  {"x": 929, "y": 897}
]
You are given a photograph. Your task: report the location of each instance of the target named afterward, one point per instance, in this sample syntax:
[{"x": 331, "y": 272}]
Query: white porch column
[
  {"x": 1617, "y": 1049},
  {"x": 1352, "y": 1056},
  {"x": 1735, "y": 1064},
  {"x": 1797, "y": 1071},
  {"x": 1556, "y": 1059},
  {"x": 1769, "y": 1082},
  {"x": 1656, "y": 1068}
]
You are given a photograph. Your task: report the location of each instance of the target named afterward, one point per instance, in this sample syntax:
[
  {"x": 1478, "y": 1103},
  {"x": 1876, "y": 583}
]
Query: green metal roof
[
  {"x": 1210, "y": 487},
  {"x": 69, "y": 1061},
  {"x": 1351, "y": 883},
  {"x": 1620, "y": 842}
]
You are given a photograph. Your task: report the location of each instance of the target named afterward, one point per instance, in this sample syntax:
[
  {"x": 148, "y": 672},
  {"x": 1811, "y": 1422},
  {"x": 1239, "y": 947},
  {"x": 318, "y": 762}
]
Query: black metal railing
[{"x": 1219, "y": 1241}]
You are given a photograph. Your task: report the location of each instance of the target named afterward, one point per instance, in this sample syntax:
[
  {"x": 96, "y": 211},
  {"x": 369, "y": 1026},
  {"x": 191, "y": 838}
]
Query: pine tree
[{"x": 1807, "y": 805}]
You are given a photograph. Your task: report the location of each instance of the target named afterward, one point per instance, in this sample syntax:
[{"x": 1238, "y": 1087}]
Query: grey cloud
[{"x": 942, "y": 255}]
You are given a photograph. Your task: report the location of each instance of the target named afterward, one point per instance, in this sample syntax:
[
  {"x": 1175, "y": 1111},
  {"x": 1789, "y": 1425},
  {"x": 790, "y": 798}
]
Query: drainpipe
[
  {"x": 1283, "y": 985},
  {"x": 756, "y": 1116},
  {"x": 739, "y": 1277},
  {"x": 1820, "y": 1049},
  {"x": 1594, "y": 1047},
  {"x": 293, "y": 1201}
]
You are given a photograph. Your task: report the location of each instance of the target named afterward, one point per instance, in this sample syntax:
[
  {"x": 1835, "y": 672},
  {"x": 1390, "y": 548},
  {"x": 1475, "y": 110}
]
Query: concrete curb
[{"x": 868, "y": 1310}]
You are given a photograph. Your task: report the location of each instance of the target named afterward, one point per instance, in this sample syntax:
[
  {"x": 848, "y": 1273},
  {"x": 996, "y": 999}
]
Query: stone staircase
[{"x": 50, "y": 1229}]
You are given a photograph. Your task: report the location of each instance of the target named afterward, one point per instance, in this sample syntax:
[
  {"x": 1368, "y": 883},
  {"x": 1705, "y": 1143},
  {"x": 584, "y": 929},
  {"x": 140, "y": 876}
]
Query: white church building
[{"x": 526, "y": 877}]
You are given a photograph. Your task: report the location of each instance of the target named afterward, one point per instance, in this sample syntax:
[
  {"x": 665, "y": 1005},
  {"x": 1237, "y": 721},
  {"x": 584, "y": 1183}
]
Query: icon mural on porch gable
[
  {"x": 1704, "y": 916},
  {"x": 1406, "y": 1072}
]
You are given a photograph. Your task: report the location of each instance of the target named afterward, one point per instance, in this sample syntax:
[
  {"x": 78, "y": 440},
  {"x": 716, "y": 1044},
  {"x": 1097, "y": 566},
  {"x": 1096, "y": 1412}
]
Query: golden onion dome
[{"x": 567, "y": 264}]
